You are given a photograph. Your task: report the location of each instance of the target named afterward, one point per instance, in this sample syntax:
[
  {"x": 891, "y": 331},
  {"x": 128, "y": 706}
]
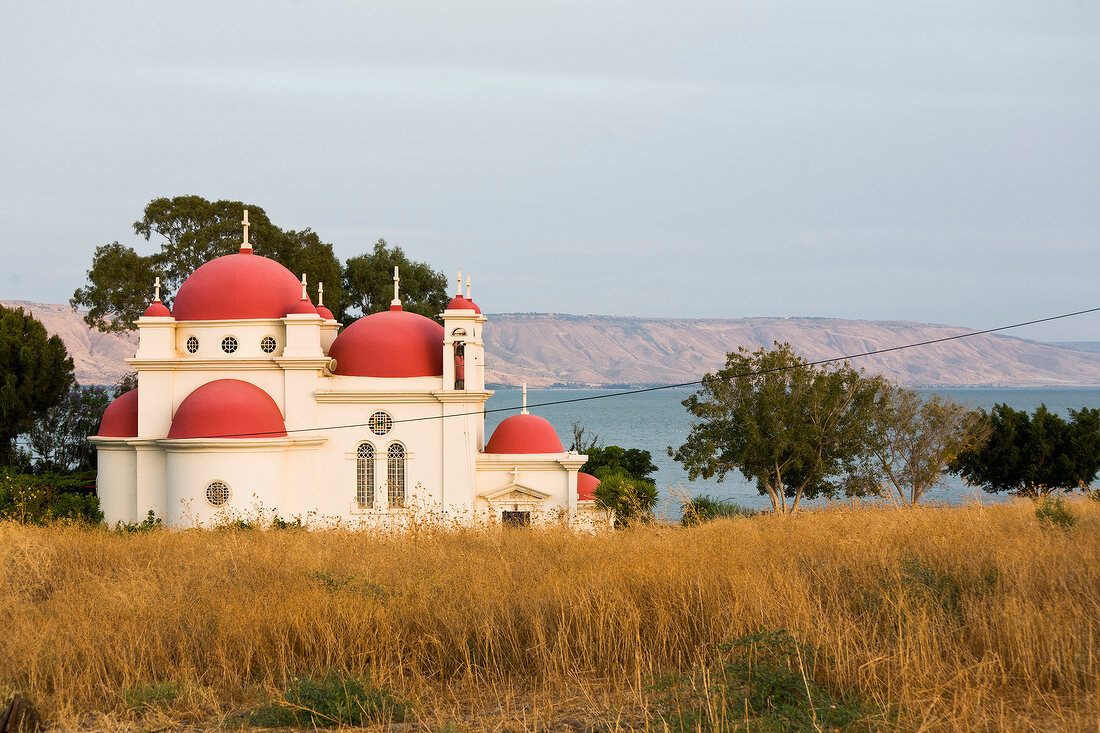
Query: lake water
[{"x": 656, "y": 420}]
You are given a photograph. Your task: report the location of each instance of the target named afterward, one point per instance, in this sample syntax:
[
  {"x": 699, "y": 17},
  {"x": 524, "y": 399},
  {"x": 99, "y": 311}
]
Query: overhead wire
[{"x": 680, "y": 385}]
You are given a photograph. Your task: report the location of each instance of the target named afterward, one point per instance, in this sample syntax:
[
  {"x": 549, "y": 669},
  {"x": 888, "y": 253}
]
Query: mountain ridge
[{"x": 561, "y": 349}]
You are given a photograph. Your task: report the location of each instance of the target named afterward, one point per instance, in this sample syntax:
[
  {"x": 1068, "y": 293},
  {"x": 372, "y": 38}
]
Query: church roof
[
  {"x": 586, "y": 486},
  {"x": 228, "y": 408},
  {"x": 524, "y": 434},
  {"x": 120, "y": 419},
  {"x": 393, "y": 343},
  {"x": 461, "y": 303},
  {"x": 238, "y": 286}
]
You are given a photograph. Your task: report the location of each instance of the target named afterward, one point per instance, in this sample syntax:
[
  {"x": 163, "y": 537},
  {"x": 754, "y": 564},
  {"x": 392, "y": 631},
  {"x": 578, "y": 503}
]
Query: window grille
[
  {"x": 267, "y": 345},
  {"x": 192, "y": 344},
  {"x": 217, "y": 493},
  {"x": 380, "y": 423},
  {"x": 364, "y": 476},
  {"x": 395, "y": 474},
  {"x": 229, "y": 344}
]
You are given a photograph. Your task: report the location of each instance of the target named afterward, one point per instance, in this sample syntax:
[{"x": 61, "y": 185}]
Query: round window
[
  {"x": 380, "y": 423},
  {"x": 267, "y": 344},
  {"x": 229, "y": 344},
  {"x": 192, "y": 344},
  {"x": 217, "y": 493}
]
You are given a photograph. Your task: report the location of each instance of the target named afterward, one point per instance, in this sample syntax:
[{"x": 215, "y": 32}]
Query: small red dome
[
  {"x": 325, "y": 313},
  {"x": 228, "y": 408},
  {"x": 474, "y": 306},
  {"x": 460, "y": 304},
  {"x": 157, "y": 309},
  {"x": 120, "y": 419},
  {"x": 393, "y": 343},
  {"x": 586, "y": 486},
  {"x": 524, "y": 434},
  {"x": 237, "y": 286},
  {"x": 302, "y": 307}
]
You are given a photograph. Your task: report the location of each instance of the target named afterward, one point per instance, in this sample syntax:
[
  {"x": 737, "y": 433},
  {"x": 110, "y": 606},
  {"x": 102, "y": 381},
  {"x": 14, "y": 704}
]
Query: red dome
[
  {"x": 237, "y": 286},
  {"x": 228, "y": 408},
  {"x": 459, "y": 304},
  {"x": 120, "y": 419},
  {"x": 586, "y": 486},
  {"x": 157, "y": 309},
  {"x": 392, "y": 343},
  {"x": 325, "y": 313},
  {"x": 302, "y": 307},
  {"x": 524, "y": 434}
]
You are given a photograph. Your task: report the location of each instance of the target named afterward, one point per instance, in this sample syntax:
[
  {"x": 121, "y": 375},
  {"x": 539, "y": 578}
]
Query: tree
[
  {"x": 624, "y": 473},
  {"x": 631, "y": 499},
  {"x": 191, "y": 232},
  {"x": 793, "y": 428},
  {"x": 636, "y": 461},
  {"x": 118, "y": 289},
  {"x": 1033, "y": 455},
  {"x": 57, "y": 438},
  {"x": 368, "y": 281},
  {"x": 913, "y": 441},
  {"x": 35, "y": 374}
]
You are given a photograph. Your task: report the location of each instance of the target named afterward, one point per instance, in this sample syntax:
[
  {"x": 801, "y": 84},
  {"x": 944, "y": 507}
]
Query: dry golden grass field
[{"x": 939, "y": 619}]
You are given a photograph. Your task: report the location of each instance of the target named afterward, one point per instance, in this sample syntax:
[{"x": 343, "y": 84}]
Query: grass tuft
[{"x": 332, "y": 700}]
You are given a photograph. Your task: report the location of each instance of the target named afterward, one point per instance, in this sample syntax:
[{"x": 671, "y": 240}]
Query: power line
[{"x": 643, "y": 390}]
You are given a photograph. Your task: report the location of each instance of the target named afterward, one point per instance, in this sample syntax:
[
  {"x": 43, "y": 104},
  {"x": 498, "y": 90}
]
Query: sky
[{"x": 933, "y": 161}]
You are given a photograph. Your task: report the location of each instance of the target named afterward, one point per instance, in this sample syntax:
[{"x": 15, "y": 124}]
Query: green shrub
[
  {"x": 765, "y": 681},
  {"x": 706, "y": 508},
  {"x": 331, "y": 701},
  {"x": 1051, "y": 511},
  {"x": 142, "y": 698},
  {"x": 150, "y": 523},
  {"x": 49, "y": 497}
]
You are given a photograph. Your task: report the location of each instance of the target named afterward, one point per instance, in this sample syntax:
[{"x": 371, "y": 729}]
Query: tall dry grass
[{"x": 975, "y": 618}]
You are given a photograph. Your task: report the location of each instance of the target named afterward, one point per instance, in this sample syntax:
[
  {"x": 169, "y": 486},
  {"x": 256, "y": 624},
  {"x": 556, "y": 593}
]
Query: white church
[{"x": 252, "y": 403}]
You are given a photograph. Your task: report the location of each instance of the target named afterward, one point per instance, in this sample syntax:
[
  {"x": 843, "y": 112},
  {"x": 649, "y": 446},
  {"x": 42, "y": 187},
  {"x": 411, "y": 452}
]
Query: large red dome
[
  {"x": 392, "y": 343},
  {"x": 524, "y": 434},
  {"x": 586, "y": 486},
  {"x": 120, "y": 419},
  {"x": 228, "y": 408},
  {"x": 237, "y": 286}
]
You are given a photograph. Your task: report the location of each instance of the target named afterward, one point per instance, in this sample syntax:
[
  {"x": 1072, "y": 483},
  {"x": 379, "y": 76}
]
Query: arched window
[
  {"x": 395, "y": 475},
  {"x": 364, "y": 476}
]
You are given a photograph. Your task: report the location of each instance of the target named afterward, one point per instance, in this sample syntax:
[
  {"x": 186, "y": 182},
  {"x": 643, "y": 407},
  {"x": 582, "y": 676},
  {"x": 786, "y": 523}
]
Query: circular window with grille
[
  {"x": 192, "y": 344},
  {"x": 380, "y": 423},
  {"x": 229, "y": 344},
  {"x": 267, "y": 344},
  {"x": 217, "y": 493}
]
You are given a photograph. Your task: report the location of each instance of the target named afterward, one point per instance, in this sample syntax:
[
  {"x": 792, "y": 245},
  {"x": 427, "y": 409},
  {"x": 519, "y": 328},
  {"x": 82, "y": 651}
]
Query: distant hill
[
  {"x": 546, "y": 349},
  {"x": 97, "y": 357}
]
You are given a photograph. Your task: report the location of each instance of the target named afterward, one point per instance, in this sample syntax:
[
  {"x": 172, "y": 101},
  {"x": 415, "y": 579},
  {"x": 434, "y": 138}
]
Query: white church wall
[
  {"x": 116, "y": 480},
  {"x": 253, "y": 473}
]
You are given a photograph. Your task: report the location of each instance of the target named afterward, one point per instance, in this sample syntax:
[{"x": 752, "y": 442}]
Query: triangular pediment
[{"x": 514, "y": 492}]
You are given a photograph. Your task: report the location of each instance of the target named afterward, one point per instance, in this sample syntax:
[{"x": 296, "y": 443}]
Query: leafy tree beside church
[
  {"x": 191, "y": 231},
  {"x": 35, "y": 374}
]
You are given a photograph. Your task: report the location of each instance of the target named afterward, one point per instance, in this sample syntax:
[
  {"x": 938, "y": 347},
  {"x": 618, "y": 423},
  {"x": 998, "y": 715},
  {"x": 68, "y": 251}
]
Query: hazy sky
[{"x": 930, "y": 161}]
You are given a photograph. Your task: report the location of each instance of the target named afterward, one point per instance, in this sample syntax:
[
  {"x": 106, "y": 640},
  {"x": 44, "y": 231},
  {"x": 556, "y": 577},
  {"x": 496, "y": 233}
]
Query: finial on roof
[
  {"x": 459, "y": 284},
  {"x": 245, "y": 244},
  {"x": 156, "y": 290},
  {"x": 320, "y": 293},
  {"x": 305, "y": 295},
  {"x": 467, "y": 287},
  {"x": 396, "y": 285},
  {"x": 525, "y": 412}
]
